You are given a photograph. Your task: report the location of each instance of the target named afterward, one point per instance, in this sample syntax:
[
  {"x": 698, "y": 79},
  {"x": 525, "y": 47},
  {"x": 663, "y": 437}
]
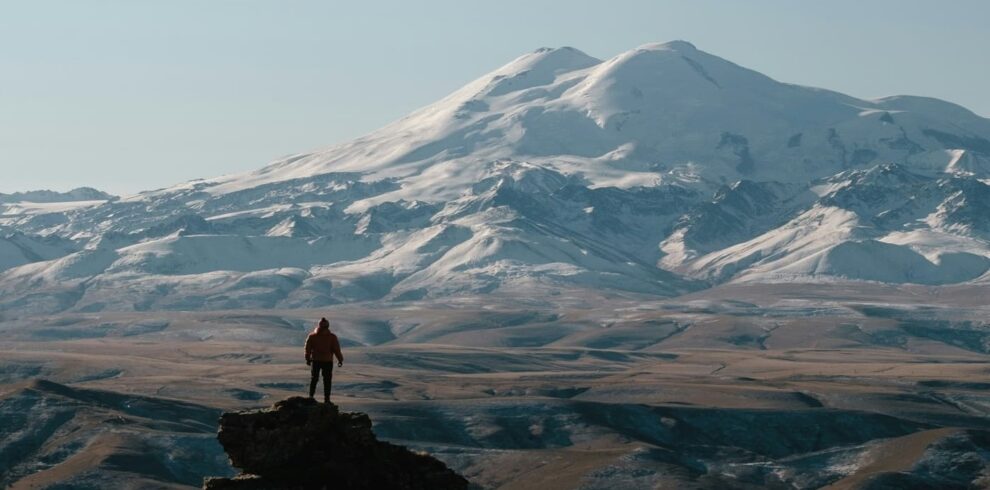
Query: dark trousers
[{"x": 325, "y": 367}]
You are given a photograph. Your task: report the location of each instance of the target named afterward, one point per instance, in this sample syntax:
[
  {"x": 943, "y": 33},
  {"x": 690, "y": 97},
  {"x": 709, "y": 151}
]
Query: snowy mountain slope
[
  {"x": 663, "y": 111},
  {"x": 882, "y": 224},
  {"x": 734, "y": 214},
  {"x": 18, "y": 249},
  {"x": 659, "y": 171}
]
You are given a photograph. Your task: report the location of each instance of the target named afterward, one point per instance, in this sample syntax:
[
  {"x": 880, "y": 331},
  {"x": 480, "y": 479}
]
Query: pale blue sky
[{"x": 130, "y": 95}]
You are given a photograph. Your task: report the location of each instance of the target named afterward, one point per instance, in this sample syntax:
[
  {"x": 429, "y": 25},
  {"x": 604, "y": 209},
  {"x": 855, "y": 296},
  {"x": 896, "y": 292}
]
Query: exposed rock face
[{"x": 300, "y": 443}]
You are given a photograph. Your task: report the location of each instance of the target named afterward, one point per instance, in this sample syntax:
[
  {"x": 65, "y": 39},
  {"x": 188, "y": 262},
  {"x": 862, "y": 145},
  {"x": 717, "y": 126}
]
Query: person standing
[{"x": 321, "y": 347}]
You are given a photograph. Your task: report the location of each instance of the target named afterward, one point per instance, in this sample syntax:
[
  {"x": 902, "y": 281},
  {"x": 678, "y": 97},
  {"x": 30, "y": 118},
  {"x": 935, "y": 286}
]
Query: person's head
[{"x": 324, "y": 325}]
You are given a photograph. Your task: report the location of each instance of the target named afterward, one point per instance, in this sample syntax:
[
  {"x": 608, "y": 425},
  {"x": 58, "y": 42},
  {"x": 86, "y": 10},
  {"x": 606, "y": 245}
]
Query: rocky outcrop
[{"x": 299, "y": 443}]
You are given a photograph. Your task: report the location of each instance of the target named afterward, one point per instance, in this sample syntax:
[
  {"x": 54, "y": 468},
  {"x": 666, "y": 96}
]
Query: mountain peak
[
  {"x": 552, "y": 59},
  {"x": 675, "y": 45},
  {"x": 563, "y": 49},
  {"x": 537, "y": 68},
  {"x": 655, "y": 64}
]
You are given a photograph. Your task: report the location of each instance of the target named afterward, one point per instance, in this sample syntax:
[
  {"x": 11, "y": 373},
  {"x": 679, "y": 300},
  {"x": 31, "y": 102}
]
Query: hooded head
[{"x": 323, "y": 326}]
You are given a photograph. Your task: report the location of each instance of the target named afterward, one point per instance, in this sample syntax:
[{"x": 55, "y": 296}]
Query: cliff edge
[{"x": 299, "y": 443}]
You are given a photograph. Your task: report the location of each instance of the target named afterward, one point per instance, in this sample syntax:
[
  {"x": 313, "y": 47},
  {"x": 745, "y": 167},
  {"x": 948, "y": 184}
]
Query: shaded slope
[{"x": 52, "y": 433}]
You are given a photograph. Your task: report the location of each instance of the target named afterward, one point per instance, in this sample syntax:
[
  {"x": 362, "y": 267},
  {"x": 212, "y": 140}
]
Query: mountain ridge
[{"x": 45, "y": 196}]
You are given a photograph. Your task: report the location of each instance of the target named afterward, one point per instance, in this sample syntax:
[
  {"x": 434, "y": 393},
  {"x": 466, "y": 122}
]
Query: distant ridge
[{"x": 77, "y": 194}]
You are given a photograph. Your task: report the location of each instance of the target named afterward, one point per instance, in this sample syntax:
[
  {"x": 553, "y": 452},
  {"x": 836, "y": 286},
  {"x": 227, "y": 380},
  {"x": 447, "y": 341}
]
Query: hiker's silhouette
[{"x": 321, "y": 347}]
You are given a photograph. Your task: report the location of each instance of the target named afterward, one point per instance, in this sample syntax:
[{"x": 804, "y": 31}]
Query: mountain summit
[
  {"x": 666, "y": 112},
  {"x": 659, "y": 171}
]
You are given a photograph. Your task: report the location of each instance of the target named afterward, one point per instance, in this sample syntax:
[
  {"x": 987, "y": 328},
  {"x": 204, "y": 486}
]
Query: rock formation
[{"x": 299, "y": 443}]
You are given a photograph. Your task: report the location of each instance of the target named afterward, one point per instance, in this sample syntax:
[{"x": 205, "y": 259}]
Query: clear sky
[{"x": 131, "y": 95}]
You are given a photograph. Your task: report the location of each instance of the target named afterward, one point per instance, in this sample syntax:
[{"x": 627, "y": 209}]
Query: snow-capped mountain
[{"x": 659, "y": 171}]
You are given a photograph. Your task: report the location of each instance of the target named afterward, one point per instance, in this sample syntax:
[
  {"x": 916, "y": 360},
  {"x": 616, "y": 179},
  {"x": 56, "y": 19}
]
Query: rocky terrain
[{"x": 300, "y": 443}]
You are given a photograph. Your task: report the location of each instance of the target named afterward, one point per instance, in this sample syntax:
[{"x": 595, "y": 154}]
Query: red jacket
[{"x": 323, "y": 346}]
